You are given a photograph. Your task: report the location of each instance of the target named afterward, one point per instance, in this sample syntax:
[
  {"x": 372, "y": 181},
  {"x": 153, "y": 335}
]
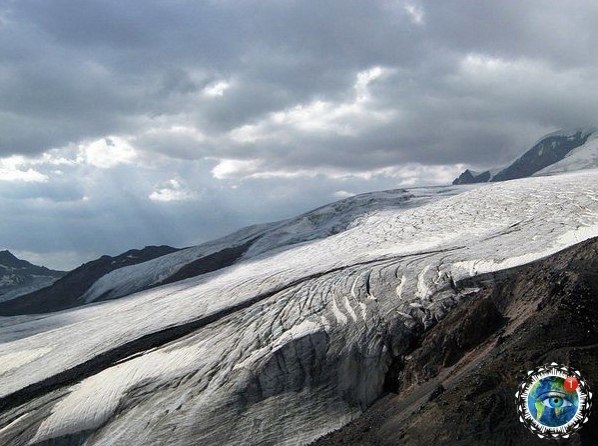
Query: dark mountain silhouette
[
  {"x": 65, "y": 293},
  {"x": 19, "y": 277},
  {"x": 549, "y": 150}
]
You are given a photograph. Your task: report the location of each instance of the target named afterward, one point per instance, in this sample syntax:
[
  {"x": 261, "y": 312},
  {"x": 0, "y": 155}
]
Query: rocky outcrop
[
  {"x": 457, "y": 386},
  {"x": 471, "y": 177}
]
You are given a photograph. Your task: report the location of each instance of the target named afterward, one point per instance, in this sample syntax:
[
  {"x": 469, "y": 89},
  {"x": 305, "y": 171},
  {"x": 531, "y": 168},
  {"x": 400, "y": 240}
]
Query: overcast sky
[{"x": 129, "y": 123}]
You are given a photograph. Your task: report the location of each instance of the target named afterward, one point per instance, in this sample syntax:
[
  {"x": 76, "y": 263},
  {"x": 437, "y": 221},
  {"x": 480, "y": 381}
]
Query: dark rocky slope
[
  {"x": 549, "y": 150},
  {"x": 65, "y": 292},
  {"x": 209, "y": 263},
  {"x": 470, "y": 177},
  {"x": 457, "y": 384},
  {"x": 19, "y": 277}
]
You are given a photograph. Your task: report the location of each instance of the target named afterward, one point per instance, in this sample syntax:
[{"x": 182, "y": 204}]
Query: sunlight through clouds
[
  {"x": 14, "y": 169},
  {"x": 107, "y": 152},
  {"x": 323, "y": 116},
  {"x": 255, "y": 111},
  {"x": 216, "y": 90},
  {"x": 172, "y": 190}
]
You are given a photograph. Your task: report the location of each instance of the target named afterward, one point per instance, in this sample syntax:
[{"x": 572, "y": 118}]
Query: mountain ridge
[
  {"x": 65, "y": 291},
  {"x": 549, "y": 150},
  {"x": 243, "y": 244},
  {"x": 19, "y": 277}
]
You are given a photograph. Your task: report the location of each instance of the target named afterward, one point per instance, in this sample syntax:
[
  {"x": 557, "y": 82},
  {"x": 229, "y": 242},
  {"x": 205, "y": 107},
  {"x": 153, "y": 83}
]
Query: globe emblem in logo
[
  {"x": 550, "y": 403},
  {"x": 553, "y": 401}
]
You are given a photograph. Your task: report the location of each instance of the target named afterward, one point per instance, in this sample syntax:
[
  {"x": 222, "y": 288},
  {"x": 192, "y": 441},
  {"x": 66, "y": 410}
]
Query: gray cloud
[{"x": 214, "y": 103}]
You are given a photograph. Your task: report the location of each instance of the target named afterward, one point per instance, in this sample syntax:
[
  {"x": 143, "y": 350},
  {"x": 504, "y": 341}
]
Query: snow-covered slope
[
  {"x": 284, "y": 346},
  {"x": 255, "y": 240}
]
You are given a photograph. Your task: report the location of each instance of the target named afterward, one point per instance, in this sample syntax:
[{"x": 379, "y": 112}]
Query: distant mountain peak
[
  {"x": 7, "y": 258},
  {"x": 470, "y": 176},
  {"x": 548, "y": 150},
  {"x": 18, "y": 277},
  {"x": 64, "y": 293}
]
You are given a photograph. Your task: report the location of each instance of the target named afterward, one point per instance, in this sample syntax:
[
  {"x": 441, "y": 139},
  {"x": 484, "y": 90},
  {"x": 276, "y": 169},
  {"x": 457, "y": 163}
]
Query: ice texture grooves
[
  {"x": 258, "y": 239},
  {"x": 288, "y": 344}
]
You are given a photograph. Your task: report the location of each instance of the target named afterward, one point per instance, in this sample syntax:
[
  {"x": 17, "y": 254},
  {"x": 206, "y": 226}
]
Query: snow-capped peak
[{"x": 548, "y": 150}]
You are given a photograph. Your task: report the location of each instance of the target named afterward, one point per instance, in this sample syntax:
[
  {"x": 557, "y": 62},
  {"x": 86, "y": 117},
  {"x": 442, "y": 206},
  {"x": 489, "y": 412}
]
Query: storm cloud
[{"x": 148, "y": 122}]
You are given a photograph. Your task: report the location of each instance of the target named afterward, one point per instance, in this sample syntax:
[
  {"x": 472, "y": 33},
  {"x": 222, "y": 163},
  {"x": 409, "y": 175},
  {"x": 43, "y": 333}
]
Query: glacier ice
[{"x": 287, "y": 344}]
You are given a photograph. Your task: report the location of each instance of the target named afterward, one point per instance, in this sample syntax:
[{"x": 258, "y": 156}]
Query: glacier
[
  {"x": 289, "y": 343},
  {"x": 258, "y": 239}
]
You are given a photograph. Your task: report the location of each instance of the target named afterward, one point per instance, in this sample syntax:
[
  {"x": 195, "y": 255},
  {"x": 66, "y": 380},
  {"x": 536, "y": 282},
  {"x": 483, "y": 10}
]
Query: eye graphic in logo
[{"x": 554, "y": 401}]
